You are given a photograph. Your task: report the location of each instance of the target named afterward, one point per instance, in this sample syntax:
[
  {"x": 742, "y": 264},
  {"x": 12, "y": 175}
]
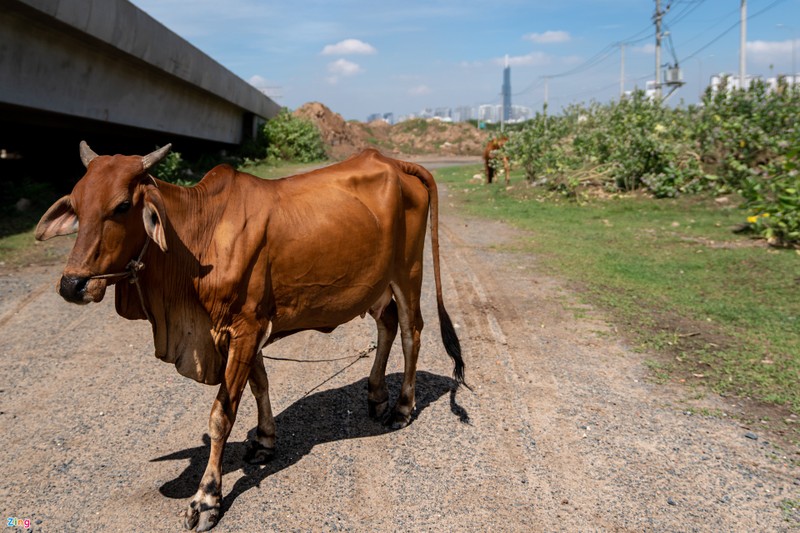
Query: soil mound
[
  {"x": 341, "y": 139},
  {"x": 410, "y": 138}
]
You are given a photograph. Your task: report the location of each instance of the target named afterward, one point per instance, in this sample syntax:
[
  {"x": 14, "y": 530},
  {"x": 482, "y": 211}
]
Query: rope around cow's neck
[{"x": 132, "y": 271}]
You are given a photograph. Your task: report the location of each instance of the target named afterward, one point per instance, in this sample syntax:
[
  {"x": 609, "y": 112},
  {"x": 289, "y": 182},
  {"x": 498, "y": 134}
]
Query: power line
[
  {"x": 680, "y": 10},
  {"x": 688, "y": 10},
  {"x": 591, "y": 91},
  {"x": 531, "y": 86},
  {"x": 731, "y": 27},
  {"x": 599, "y": 57},
  {"x": 718, "y": 22},
  {"x": 593, "y": 61}
]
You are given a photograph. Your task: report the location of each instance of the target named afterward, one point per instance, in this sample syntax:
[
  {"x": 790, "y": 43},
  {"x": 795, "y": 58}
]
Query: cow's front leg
[{"x": 204, "y": 509}]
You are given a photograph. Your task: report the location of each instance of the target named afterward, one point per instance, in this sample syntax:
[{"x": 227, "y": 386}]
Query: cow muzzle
[{"x": 81, "y": 290}]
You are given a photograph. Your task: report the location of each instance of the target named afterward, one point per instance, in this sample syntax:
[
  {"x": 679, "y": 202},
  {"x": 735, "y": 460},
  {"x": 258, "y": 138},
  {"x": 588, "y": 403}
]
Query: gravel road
[{"x": 564, "y": 431}]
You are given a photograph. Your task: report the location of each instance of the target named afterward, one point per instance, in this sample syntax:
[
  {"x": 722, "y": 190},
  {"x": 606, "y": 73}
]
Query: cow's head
[{"x": 113, "y": 208}]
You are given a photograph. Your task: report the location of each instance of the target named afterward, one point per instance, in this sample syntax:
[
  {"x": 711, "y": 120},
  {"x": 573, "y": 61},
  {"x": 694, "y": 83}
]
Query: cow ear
[
  {"x": 155, "y": 217},
  {"x": 60, "y": 219}
]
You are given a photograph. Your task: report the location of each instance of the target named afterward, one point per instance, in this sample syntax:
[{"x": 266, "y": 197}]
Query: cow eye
[{"x": 122, "y": 208}]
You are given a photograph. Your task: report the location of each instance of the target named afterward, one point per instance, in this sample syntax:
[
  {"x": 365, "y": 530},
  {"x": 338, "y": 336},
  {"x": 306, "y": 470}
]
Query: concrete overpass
[{"x": 106, "y": 71}]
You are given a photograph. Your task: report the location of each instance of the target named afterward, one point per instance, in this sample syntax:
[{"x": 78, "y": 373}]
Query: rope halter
[{"x": 132, "y": 271}]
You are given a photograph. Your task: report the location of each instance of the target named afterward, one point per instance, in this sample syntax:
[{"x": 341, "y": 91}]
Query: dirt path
[{"x": 564, "y": 432}]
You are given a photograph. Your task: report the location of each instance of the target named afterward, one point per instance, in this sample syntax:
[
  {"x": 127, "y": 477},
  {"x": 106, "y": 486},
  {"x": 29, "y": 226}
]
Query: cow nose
[{"x": 72, "y": 288}]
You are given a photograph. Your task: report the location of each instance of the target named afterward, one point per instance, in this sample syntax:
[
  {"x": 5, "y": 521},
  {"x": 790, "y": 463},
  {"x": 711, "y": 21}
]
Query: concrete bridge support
[{"x": 105, "y": 70}]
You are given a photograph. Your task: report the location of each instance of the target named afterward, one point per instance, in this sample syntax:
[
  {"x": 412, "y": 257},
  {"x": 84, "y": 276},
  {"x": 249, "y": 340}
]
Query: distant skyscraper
[{"x": 506, "y": 92}]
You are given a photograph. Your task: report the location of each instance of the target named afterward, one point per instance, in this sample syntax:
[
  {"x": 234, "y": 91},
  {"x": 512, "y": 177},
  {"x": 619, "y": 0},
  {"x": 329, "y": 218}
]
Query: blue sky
[{"x": 361, "y": 57}]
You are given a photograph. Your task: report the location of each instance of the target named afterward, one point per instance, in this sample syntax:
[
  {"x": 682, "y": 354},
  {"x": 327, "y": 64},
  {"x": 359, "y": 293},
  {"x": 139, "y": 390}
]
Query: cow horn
[
  {"x": 87, "y": 154},
  {"x": 152, "y": 158}
]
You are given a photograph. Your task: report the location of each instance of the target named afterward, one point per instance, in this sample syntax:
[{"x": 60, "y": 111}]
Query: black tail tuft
[{"x": 451, "y": 345}]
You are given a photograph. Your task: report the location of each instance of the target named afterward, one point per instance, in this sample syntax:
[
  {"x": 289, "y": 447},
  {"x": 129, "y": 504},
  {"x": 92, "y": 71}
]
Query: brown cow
[
  {"x": 491, "y": 153},
  {"x": 237, "y": 262}
]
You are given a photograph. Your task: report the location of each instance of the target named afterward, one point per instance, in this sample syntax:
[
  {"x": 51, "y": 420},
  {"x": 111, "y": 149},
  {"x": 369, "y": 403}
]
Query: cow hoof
[
  {"x": 377, "y": 410},
  {"x": 190, "y": 518},
  {"x": 398, "y": 420},
  {"x": 203, "y": 512},
  {"x": 203, "y": 520},
  {"x": 257, "y": 453},
  {"x": 208, "y": 519}
]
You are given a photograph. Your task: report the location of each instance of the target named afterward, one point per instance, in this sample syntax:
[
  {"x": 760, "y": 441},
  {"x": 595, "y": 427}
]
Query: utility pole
[
  {"x": 657, "y": 20},
  {"x": 622, "y": 71},
  {"x": 742, "y": 44},
  {"x": 546, "y": 80},
  {"x": 794, "y": 41}
]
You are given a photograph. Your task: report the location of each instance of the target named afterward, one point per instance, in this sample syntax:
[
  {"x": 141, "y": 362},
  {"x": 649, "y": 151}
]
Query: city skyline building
[
  {"x": 489, "y": 113},
  {"x": 506, "y": 91},
  {"x": 505, "y": 112}
]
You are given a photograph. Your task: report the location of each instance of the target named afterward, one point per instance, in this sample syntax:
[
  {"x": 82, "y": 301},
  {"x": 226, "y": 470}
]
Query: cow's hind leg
[
  {"x": 377, "y": 392},
  {"x": 204, "y": 509},
  {"x": 411, "y": 324},
  {"x": 262, "y": 448}
]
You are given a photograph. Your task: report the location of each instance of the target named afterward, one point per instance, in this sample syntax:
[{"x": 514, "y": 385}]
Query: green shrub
[
  {"x": 174, "y": 169},
  {"x": 772, "y": 196},
  {"x": 293, "y": 139},
  {"x": 541, "y": 151},
  {"x": 738, "y": 141},
  {"x": 640, "y": 144},
  {"x": 733, "y": 135}
]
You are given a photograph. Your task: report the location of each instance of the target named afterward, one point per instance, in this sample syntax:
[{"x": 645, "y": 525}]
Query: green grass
[
  {"x": 17, "y": 226},
  {"x": 13, "y": 246},
  {"x": 672, "y": 274}
]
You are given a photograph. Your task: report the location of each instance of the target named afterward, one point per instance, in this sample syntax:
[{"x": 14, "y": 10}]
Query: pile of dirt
[
  {"x": 341, "y": 139},
  {"x": 413, "y": 137}
]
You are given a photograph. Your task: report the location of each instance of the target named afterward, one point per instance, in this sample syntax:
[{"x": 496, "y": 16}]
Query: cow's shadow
[{"x": 326, "y": 416}]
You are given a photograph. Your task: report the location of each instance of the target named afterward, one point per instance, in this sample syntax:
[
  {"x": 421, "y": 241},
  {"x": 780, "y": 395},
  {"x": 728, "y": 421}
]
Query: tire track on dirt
[
  {"x": 611, "y": 451},
  {"x": 22, "y": 303},
  {"x": 529, "y": 407}
]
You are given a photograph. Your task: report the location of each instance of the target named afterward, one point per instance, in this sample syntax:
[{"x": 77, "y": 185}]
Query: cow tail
[{"x": 449, "y": 338}]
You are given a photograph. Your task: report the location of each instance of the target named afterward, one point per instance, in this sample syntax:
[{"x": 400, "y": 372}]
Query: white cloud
[
  {"x": 419, "y": 90},
  {"x": 347, "y": 47},
  {"x": 267, "y": 87},
  {"x": 535, "y": 59},
  {"x": 260, "y": 83},
  {"x": 548, "y": 37},
  {"x": 648, "y": 48},
  {"x": 769, "y": 47},
  {"x": 342, "y": 68},
  {"x": 777, "y": 53}
]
